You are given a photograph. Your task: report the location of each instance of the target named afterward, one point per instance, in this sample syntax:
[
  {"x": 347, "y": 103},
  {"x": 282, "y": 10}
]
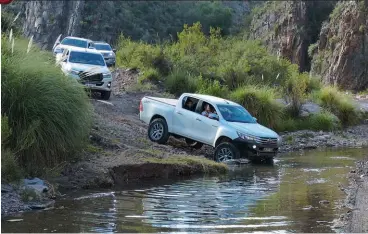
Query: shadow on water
[{"x": 283, "y": 197}]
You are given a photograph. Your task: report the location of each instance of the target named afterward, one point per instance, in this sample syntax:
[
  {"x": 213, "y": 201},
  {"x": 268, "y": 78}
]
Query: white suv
[
  {"x": 89, "y": 68},
  {"x": 71, "y": 42}
]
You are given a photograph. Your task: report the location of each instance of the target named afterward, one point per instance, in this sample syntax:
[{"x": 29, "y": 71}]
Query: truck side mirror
[
  {"x": 114, "y": 50},
  {"x": 255, "y": 119}
]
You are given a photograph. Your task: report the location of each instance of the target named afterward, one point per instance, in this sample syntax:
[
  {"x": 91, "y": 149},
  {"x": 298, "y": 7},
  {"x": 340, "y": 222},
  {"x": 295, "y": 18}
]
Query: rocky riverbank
[
  {"x": 119, "y": 152},
  {"x": 355, "y": 220}
]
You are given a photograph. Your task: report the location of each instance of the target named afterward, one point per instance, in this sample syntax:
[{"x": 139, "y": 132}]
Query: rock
[
  {"x": 324, "y": 202},
  {"x": 41, "y": 205},
  {"x": 310, "y": 147},
  {"x": 6, "y": 188},
  {"x": 37, "y": 185}
]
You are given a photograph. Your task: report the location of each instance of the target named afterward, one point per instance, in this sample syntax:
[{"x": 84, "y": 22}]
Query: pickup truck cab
[{"x": 227, "y": 126}]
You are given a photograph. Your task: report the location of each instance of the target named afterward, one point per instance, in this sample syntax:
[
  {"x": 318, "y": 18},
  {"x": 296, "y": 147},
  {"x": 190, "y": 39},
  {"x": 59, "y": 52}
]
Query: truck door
[
  {"x": 204, "y": 127},
  {"x": 183, "y": 117}
]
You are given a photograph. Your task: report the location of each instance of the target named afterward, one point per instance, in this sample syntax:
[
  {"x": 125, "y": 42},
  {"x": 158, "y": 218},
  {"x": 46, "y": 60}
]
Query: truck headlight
[
  {"x": 58, "y": 50},
  {"x": 279, "y": 140},
  {"x": 107, "y": 76},
  {"x": 246, "y": 136}
]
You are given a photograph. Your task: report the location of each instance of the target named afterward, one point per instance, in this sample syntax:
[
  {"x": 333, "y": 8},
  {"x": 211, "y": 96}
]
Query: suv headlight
[
  {"x": 246, "y": 136},
  {"x": 74, "y": 72}
]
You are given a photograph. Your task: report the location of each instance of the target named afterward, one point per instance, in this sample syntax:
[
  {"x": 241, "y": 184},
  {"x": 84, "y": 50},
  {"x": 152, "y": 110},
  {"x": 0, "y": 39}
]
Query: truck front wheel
[
  {"x": 226, "y": 151},
  {"x": 158, "y": 131}
]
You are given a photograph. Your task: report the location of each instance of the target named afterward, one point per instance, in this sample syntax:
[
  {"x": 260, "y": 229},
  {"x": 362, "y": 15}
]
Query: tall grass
[
  {"x": 48, "y": 113},
  {"x": 339, "y": 104},
  {"x": 260, "y": 102}
]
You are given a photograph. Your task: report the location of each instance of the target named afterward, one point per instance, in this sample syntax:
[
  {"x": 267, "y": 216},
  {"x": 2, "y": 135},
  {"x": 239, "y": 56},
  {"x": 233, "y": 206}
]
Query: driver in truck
[{"x": 189, "y": 105}]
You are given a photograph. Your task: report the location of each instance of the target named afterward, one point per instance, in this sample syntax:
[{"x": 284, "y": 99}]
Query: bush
[
  {"x": 339, "y": 104},
  {"x": 48, "y": 113},
  {"x": 294, "y": 89},
  {"x": 150, "y": 75},
  {"x": 10, "y": 169},
  {"x": 324, "y": 121},
  {"x": 212, "y": 87},
  {"x": 179, "y": 82},
  {"x": 260, "y": 102}
]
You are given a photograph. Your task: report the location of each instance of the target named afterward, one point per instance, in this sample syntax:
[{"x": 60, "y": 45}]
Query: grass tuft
[
  {"x": 260, "y": 102},
  {"x": 48, "y": 113}
]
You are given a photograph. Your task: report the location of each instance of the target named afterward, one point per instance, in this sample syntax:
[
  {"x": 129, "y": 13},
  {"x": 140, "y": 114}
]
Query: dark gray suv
[{"x": 107, "y": 52}]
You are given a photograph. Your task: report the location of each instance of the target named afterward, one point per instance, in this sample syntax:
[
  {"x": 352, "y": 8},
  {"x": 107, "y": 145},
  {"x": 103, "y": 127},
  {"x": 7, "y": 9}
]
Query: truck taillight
[{"x": 141, "y": 106}]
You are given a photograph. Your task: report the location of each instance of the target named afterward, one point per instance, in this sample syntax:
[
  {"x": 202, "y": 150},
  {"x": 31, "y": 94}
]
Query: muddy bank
[{"x": 355, "y": 220}]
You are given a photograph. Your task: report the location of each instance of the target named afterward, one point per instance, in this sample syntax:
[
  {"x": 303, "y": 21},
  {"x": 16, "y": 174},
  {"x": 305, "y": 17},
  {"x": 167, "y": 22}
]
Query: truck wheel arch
[
  {"x": 157, "y": 117},
  {"x": 222, "y": 139}
]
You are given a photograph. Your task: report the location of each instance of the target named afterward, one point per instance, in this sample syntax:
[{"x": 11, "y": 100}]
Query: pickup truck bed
[{"x": 171, "y": 102}]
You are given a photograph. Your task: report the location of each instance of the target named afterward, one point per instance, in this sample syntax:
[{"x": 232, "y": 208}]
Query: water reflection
[{"x": 281, "y": 198}]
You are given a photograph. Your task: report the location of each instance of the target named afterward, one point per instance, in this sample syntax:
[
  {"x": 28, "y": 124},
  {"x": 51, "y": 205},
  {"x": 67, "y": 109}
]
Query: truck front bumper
[
  {"x": 103, "y": 85},
  {"x": 254, "y": 150}
]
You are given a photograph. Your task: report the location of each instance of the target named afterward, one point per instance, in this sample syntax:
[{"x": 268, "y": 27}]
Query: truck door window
[{"x": 189, "y": 103}]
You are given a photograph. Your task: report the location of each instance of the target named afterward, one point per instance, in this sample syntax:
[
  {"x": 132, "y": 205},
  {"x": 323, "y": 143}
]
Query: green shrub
[
  {"x": 260, "y": 102},
  {"x": 10, "y": 169},
  {"x": 150, "y": 75},
  {"x": 48, "y": 113},
  {"x": 295, "y": 89},
  {"x": 339, "y": 104},
  {"x": 324, "y": 121},
  {"x": 213, "y": 88},
  {"x": 179, "y": 82}
]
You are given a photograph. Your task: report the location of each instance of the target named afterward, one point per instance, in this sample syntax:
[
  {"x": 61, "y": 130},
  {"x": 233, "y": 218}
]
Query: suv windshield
[
  {"x": 74, "y": 42},
  {"x": 103, "y": 47},
  {"x": 235, "y": 114},
  {"x": 86, "y": 58}
]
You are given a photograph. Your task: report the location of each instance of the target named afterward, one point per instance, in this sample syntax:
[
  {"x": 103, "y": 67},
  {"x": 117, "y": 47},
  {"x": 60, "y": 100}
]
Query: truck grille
[
  {"x": 267, "y": 141},
  {"x": 91, "y": 78}
]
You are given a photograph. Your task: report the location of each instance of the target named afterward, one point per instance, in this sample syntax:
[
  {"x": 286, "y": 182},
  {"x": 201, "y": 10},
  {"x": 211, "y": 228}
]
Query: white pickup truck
[{"x": 203, "y": 119}]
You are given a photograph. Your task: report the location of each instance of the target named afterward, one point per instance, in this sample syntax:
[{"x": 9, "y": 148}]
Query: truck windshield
[
  {"x": 235, "y": 114},
  {"x": 74, "y": 42},
  {"x": 103, "y": 47},
  {"x": 86, "y": 58}
]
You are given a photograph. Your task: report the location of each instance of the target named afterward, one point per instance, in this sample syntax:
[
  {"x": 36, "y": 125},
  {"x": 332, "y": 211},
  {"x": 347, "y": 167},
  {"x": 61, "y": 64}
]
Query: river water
[{"x": 283, "y": 197}]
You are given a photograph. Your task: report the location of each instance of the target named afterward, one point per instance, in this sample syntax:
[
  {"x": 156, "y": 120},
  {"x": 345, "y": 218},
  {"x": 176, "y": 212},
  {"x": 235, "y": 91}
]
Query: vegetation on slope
[
  {"x": 234, "y": 68},
  {"x": 46, "y": 115}
]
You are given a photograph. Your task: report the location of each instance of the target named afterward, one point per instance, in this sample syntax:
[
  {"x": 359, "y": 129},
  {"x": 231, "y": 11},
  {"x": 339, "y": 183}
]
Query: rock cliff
[
  {"x": 340, "y": 56},
  {"x": 46, "y": 20},
  {"x": 288, "y": 27}
]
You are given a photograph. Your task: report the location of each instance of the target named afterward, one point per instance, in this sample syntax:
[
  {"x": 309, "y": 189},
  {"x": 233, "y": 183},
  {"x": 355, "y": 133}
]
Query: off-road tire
[
  {"x": 226, "y": 147},
  {"x": 105, "y": 95},
  {"x": 162, "y": 134},
  {"x": 193, "y": 144}
]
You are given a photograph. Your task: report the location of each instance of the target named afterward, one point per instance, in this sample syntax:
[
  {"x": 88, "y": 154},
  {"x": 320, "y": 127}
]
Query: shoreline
[{"x": 120, "y": 153}]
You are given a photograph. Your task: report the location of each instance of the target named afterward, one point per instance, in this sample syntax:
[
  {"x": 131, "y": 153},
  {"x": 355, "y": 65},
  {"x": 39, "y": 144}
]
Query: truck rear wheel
[
  {"x": 158, "y": 131},
  {"x": 193, "y": 144},
  {"x": 226, "y": 151}
]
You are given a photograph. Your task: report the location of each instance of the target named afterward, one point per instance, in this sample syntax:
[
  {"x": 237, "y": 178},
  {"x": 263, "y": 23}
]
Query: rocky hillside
[
  {"x": 288, "y": 27},
  {"x": 324, "y": 37},
  {"x": 150, "y": 21},
  {"x": 341, "y": 54}
]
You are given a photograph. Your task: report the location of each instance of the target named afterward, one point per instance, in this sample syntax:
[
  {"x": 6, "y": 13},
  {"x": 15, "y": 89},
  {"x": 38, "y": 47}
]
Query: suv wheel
[
  {"x": 158, "y": 131},
  {"x": 226, "y": 151},
  {"x": 193, "y": 144},
  {"x": 105, "y": 95}
]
